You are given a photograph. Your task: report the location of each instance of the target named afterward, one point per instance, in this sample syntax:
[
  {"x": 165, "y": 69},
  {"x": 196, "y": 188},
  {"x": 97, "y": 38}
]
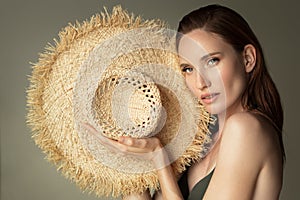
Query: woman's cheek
[{"x": 191, "y": 85}]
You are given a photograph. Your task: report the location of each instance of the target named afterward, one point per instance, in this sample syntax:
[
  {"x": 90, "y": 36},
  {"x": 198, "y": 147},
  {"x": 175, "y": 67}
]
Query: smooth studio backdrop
[{"x": 27, "y": 26}]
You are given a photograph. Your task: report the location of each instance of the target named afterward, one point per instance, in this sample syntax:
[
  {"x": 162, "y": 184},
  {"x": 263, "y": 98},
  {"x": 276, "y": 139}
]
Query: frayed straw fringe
[{"x": 91, "y": 176}]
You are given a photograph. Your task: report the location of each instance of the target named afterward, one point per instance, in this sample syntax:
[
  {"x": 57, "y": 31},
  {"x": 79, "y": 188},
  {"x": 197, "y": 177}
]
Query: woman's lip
[{"x": 209, "y": 97}]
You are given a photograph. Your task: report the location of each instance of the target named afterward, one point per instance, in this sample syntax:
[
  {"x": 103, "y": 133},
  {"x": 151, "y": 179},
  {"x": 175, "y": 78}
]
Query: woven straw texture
[{"x": 81, "y": 78}]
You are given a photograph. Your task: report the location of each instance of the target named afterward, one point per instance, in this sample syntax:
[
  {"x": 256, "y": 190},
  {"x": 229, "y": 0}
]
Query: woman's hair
[{"x": 261, "y": 94}]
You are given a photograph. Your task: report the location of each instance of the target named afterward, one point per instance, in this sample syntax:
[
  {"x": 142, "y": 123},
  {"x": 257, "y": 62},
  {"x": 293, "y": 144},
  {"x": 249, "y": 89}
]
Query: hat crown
[{"x": 136, "y": 105}]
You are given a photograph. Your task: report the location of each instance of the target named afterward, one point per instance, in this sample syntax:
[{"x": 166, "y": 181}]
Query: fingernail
[{"x": 121, "y": 139}]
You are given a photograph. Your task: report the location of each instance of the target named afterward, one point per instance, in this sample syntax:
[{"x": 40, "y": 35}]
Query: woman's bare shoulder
[
  {"x": 246, "y": 143},
  {"x": 247, "y": 121},
  {"x": 250, "y": 125},
  {"x": 251, "y": 132}
]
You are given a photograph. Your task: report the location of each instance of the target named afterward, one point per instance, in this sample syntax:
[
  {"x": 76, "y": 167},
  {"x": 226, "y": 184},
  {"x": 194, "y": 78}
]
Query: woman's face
[{"x": 213, "y": 70}]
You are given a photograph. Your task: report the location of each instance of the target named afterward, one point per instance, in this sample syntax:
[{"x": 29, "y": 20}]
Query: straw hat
[{"x": 120, "y": 74}]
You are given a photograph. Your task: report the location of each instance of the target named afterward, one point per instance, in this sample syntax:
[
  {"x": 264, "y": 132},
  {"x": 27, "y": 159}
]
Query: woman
[{"x": 224, "y": 67}]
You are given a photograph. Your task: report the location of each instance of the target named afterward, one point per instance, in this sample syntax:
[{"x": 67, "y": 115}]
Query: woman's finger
[
  {"x": 108, "y": 143},
  {"x": 141, "y": 145}
]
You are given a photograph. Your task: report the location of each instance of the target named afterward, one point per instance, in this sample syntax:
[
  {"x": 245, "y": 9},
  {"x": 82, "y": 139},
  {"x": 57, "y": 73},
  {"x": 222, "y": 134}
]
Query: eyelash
[
  {"x": 214, "y": 60},
  {"x": 187, "y": 69}
]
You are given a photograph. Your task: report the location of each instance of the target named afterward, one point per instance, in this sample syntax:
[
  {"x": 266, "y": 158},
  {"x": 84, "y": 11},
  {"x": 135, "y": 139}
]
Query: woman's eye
[
  {"x": 212, "y": 62},
  {"x": 187, "y": 69}
]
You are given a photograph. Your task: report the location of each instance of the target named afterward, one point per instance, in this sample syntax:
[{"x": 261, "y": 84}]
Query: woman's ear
[{"x": 249, "y": 57}]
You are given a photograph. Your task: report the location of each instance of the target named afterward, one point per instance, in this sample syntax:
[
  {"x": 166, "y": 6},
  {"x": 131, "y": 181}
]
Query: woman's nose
[{"x": 202, "y": 82}]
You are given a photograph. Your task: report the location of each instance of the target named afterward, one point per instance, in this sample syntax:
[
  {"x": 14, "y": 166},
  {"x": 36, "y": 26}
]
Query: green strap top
[{"x": 199, "y": 189}]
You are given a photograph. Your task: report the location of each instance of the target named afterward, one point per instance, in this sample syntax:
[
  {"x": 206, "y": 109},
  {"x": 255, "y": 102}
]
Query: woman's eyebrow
[
  {"x": 183, "y": 65},
  {"x": 201, "y": 59},
  {"x": 209, "y": 55}
]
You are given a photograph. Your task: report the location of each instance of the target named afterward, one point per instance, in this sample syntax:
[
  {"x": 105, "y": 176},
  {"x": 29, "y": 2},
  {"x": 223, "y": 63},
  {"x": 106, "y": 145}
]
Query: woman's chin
[{"x": 214, "y": 110}]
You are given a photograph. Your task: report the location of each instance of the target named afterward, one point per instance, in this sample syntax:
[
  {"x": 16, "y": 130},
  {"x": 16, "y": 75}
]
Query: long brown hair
[{"x": 261, "y": 94}]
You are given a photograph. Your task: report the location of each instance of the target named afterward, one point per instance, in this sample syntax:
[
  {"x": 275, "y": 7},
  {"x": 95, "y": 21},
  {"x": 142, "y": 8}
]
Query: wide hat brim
[{"x": 73, "y": 72}]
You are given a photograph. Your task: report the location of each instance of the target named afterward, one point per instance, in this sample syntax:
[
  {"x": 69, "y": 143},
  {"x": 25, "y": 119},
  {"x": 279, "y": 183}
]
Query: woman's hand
[{"x": 146, "y": 148}]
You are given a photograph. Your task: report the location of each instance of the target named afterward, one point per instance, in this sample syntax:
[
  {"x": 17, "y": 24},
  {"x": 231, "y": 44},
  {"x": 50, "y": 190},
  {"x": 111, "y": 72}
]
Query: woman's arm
[
  {"x": 159, "y": 157},
  {"x": 166, "y": 177}
]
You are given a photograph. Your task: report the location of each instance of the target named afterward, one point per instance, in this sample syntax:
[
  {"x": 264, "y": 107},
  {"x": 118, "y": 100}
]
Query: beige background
[{"x": 27, "y": 26}]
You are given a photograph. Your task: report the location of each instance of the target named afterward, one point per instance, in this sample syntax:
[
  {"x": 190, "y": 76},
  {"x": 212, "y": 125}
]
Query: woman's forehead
[
  {"x": 198, "y": 43},
  {"x": 201, "y": 40}
]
